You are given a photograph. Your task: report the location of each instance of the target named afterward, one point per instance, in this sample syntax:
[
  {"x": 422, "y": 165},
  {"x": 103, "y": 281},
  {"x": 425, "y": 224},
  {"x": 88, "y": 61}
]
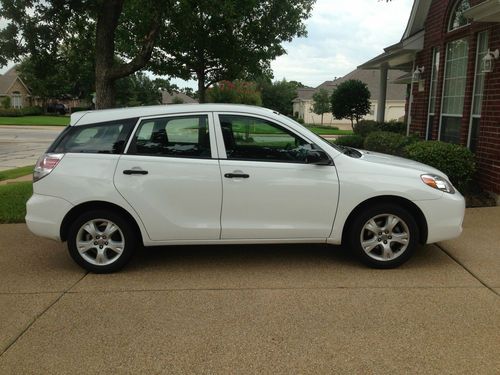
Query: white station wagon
[{"x": 229, "y": 174}]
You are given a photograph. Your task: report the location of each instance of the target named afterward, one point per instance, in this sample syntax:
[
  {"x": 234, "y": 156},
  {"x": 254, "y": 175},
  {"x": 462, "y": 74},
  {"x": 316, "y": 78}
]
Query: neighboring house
[
  {"x": 176, "y": 98},
  {"x": 395, "y": 103},
  {"x": 12, "y": 85},
  {"x": 451, "y": 49}
]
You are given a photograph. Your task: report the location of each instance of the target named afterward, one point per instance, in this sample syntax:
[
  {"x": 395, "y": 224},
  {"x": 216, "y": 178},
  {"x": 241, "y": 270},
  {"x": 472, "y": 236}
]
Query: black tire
[
  {"x": 99, "y": 218},
  {"x": 384, "y": 244}
]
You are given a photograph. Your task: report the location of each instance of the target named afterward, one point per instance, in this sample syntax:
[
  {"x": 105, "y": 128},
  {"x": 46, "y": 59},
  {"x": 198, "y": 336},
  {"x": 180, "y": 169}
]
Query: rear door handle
[
  {"x": 236, "y": 175},
  {"x": 135, "y": 171}
]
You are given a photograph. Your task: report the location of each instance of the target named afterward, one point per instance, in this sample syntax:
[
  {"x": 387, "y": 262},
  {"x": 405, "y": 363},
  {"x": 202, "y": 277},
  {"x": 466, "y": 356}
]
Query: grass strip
[
  {"x": 16, "y": 172},
  {"x": 13, "y": 198},
  {"x": 35, "y": 120}
]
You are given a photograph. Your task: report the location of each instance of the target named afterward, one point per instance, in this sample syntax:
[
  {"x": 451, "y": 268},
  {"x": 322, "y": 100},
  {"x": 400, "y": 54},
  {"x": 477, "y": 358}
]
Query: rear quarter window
[{"x": 102, "y": 138}]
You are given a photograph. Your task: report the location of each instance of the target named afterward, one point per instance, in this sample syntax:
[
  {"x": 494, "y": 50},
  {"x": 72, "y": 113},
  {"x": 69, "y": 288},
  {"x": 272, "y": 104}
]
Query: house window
[
  {"x": 17, "y": 101},
  {"x": 455, "y": 76},
  {"x": 432, "y": 94},
  {"x": 477, "y": 99},
  {"x": 457, "y": 18}
]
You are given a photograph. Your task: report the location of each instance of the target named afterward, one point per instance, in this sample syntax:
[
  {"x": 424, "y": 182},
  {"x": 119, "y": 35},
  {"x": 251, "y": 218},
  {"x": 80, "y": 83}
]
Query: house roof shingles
[
  {"x": 370, "y": 77},
  {"x": 167, "y": 98},
  {"x": 6, "y": 81}
]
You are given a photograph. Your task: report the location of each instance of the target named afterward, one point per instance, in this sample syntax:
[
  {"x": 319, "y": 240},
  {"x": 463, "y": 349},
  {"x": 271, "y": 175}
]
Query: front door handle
[
  {"x": 135, "y": 171},
  {"x": 236, "y": 175}
]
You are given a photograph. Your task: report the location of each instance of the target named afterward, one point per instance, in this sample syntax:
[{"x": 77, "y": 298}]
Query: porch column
[{"x": 382, "y": 92}]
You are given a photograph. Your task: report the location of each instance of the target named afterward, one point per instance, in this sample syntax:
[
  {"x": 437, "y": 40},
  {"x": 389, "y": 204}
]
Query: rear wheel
[
  {"x": 384, "y": 236},
  {"x": 101, "y": 241}
]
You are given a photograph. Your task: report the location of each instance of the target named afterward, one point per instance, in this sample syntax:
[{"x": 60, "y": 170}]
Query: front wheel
[
  {"x": 101, "y": 241},
  {"x": 384, "y": 236}
]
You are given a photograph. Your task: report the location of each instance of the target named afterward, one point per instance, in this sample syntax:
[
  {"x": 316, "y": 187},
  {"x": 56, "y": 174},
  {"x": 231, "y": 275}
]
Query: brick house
[
  {"x": 450, "y": 51},
  {"x": 12, "y": 85}
]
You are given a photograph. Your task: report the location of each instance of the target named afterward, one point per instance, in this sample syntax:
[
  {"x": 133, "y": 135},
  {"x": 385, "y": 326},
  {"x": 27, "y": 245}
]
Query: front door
[
  {"x": 170, "y": 175},
  {"x": 269, "y": 191}
]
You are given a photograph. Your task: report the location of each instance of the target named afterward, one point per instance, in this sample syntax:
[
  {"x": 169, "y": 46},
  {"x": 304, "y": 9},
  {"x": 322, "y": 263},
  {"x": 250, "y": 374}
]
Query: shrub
[
  {"x": 387, "y": 142},
  {"x": 31, "y": 111},
  {"x": 457, "y": 162},
  {"x": 365, "y": 127},
  {"x": 393, "y": 126},
  {"x": 6, "y": 102},
  {"x": 10, "y": 112},
  {"x": 234, "y": 92},
  {"x": 355, "y": 141}
]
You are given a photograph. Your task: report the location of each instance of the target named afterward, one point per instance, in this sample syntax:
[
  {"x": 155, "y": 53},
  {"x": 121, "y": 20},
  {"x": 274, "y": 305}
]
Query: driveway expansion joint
[
  {"x": 456, "y": 260},
  {"x": 40, "y": 314}
]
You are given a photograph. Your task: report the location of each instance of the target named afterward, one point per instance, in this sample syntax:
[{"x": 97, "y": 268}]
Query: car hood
[{"x": 391, "y": 160}]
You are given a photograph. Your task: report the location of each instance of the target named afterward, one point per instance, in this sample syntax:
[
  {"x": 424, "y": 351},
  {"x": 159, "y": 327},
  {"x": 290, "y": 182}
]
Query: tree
[
  {"x": 211, "y": 41},
  {"x": 137, "y": 89},
  {"x": 240, "y": 92},
  {"x": 351, "y": 100},
  {"x": 278, "y": 95},
  {"x": 321, "y": 103},
  {"x": 119, "y": 28}
]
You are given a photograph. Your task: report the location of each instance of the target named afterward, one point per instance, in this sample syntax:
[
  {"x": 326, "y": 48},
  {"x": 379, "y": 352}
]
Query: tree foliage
[
  {"x": 321, "y": 103},
  {"x": 278, "y": 95},
  {"x": 239, "y": 92},
  {"x": 118, "y": 35},
  {"x": 350, "y": 100},
  {"x": 211, "y": 41}
]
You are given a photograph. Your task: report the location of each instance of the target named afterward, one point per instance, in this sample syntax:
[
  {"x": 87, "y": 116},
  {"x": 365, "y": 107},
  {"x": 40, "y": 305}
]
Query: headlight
[{"x": 437, "y": 182}]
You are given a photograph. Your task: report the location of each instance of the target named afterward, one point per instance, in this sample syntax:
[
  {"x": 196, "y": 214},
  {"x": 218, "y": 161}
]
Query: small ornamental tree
[
  {"x": 351, "y": 100},
  {"x": 321, "y": 103},
  {"x": 239, "y": 92}
]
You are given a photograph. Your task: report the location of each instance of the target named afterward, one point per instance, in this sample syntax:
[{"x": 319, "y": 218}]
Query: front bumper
[
  {"x": 444, "y": 216},
  {"x": 44, "y": 215}
]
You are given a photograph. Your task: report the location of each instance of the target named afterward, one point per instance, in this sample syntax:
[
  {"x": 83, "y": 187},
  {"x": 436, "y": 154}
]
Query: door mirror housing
[{"x": 318, "y": 157}]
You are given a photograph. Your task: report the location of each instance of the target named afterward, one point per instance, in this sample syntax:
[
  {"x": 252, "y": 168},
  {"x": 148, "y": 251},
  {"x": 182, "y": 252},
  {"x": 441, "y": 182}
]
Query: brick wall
[{"x": 436, "y": 35}]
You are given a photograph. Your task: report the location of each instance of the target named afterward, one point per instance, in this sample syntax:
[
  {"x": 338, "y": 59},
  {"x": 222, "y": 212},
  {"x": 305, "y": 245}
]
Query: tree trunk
[
  {"x": 105, "y": 93},
  {"x": 107, "y": 71},
  {"x": 322, "y": 119},
  {"x": 200, "y": 76}
]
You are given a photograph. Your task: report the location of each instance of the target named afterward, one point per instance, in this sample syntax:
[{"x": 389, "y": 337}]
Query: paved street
[
  {"x": 23, "y": 145},
  {"x": 253, "y": 309}
]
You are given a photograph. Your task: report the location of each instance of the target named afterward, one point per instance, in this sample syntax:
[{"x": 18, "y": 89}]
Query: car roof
[{"x": 105, "y": 115}]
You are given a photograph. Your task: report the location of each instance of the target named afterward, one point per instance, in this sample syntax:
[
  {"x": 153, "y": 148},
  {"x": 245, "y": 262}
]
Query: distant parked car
[
  {"x": 58, "y": 108},
  {"x": 229, "y": 174}
]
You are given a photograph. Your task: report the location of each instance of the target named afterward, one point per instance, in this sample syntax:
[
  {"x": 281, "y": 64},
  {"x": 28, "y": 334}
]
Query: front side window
[
  {"x": 102, "y": 138},
  {"x": 455, "y": 77},
  {"x": 185, "y": 136},
  {"x": 250, "y": 138},
  {"x": 457, "y": 17}
]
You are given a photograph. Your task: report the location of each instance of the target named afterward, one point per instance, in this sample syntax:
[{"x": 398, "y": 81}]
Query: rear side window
[
  {"x": 102, "y": 138},
  {"x": 185, "y": 136}
]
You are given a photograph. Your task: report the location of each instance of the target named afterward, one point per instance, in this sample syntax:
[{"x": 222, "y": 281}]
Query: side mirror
[{"x": 318, "y": 157}]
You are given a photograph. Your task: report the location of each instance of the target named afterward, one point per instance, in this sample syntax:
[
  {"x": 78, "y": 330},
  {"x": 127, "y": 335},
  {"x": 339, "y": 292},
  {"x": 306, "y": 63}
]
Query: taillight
[{"x": 45, "y": 165}]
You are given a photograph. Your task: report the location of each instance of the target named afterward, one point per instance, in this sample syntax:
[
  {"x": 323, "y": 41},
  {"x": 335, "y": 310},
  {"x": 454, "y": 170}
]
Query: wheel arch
[
  {"x": 96, "y": 205},
  {"x": 414, "y": 210}
]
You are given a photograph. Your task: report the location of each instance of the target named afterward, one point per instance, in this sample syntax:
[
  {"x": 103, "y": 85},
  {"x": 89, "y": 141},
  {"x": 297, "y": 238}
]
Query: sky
[{"x": 342, "y": 34}]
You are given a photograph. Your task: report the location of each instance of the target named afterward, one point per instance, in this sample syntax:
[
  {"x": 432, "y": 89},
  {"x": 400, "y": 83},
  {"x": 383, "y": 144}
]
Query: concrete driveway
[
  {"x": 23, "y": 145},
  {"x": 253, "y": 309}
]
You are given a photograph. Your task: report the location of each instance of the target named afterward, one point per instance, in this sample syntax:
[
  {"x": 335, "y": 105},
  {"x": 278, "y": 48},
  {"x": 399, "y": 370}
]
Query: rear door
[
  {"x": 170, "y": 175},
  {"x": 270, "y": 192}
]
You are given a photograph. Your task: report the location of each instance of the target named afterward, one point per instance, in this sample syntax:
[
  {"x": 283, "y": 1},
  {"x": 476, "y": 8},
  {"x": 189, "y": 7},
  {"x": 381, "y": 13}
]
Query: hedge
[
  {"x": 365, "y": 127},
  {"x": 26, "y": 111},
  {"x": 355, "y": 141},
  {"x": 457, "y": 162},
  {"x": 388, "y": 142}
]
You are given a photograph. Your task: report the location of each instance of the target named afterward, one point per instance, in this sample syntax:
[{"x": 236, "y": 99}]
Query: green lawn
[
  {"x": 16, "y": 172},
  {"x": 13, "y": 198},
  {"x": 35, "y": 120}
]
